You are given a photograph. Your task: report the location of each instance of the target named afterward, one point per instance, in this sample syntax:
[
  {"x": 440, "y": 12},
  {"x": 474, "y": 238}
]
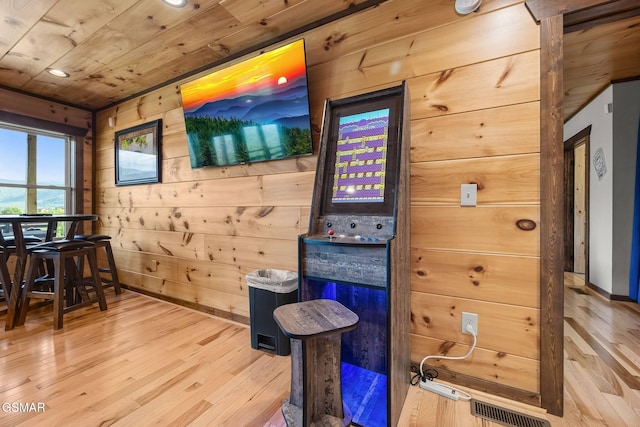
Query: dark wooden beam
[
  {"x": 551, "y": 215},
  {"x": 602, "y": 14},
  {"x": 541, "y": 9},
  {"x": 583, "y": 10},
  {"x": 550, "y": 14},
  {"x": 35, "y": 123}
]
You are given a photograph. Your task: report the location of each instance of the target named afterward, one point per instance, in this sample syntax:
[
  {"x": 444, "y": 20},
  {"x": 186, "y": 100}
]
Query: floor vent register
[{"x": 504, "y": 416}]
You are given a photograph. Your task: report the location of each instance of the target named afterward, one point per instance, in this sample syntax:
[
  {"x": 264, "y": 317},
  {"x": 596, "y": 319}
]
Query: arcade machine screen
[
  {"x": 361, "y": 158},
  {"x": 362, "y": 165}
]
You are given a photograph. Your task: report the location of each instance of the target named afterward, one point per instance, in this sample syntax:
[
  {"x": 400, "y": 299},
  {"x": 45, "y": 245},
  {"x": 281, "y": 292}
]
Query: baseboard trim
[
  {"x": 192, "y": 305},
  {"x": 607, "y": 295},
  {"x": 519, "y": 395}
]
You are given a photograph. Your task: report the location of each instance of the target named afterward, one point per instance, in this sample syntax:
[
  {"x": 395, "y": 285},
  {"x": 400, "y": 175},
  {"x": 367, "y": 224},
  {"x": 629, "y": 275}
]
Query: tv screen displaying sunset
[{"x": 255, "y": 110}]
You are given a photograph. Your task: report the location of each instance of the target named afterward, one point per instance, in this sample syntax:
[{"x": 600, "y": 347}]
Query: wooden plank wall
[{"x": 474, "y": 83}]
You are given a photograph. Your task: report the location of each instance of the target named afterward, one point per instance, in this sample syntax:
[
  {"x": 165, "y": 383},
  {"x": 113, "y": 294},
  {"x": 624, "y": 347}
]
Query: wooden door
[
  {"x": 579, "y": 210},
  {"x": 576, "y": 203}
]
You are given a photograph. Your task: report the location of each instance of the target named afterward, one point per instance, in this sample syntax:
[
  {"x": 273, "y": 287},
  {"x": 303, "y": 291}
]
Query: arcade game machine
[{"x": 357, "y": 250}]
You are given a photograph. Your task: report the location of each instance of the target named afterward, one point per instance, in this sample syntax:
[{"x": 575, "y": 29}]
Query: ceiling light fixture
[
  {"x": 176, "y": 3},
  {"x": 57, "y": 73},
  {"x": 464, "y": 7}
]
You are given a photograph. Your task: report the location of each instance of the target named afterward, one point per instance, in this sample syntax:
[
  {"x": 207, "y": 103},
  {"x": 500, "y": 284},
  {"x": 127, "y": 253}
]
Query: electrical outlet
[{"x": 469, "y": 319}]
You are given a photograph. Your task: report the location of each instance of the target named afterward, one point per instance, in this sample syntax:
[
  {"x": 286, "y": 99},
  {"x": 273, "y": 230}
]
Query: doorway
[
  {"x": 576, "y": 203},
  {"x": 555, "y": 16}
]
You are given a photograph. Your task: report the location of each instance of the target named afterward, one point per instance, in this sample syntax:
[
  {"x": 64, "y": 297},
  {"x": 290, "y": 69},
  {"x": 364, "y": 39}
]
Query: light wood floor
[{"x": 146, "y": 362}]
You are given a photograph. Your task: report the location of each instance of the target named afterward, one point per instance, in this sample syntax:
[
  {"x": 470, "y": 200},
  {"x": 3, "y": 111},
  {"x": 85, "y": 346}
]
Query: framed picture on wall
[{"x": 137, "y": 152}]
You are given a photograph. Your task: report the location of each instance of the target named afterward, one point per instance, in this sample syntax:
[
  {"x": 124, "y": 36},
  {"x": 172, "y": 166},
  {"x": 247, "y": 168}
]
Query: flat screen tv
[
  {"x": 362, "y": 154},
  {"x": 252, "y": 111}
]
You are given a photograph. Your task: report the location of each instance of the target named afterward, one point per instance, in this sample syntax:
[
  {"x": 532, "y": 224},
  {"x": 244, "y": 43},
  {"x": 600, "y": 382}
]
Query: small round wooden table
[{"x": 315, "y": 328}]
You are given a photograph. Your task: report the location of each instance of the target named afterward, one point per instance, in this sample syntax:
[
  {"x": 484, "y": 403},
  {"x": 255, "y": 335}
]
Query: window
[{"x": 35, "y": 171}]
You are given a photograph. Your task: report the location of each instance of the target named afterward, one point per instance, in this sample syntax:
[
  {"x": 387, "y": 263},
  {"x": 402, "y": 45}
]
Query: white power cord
[{"x": 448, "y": 390}]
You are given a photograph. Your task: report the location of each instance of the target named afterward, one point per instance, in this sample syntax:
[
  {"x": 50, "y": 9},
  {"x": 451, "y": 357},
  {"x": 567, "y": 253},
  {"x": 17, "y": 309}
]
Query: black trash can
[{"x": 269, "y": 289}]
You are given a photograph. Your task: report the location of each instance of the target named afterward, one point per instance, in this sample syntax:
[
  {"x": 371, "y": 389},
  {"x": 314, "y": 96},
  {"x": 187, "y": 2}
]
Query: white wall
[
  {"x": 600, "y": 190},
  {"x": 612, "y": 197},
  {"x": 626, "y": 113}
]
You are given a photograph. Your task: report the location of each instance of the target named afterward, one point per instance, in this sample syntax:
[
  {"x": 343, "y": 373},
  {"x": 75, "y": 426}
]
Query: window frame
[{"x": 70, "y": 183}]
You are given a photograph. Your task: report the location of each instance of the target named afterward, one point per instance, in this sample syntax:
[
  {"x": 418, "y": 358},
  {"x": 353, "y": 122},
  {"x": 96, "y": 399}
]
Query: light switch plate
[{"x": 468, "y": 194}]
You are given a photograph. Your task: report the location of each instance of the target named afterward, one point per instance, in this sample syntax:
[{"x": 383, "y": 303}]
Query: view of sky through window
[
  {"x": 13, "y": 161},
  {"x": 50, "y": 170}
]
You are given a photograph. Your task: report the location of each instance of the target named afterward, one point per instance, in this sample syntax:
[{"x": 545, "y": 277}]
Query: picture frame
[{"x": 137, "y": 154}]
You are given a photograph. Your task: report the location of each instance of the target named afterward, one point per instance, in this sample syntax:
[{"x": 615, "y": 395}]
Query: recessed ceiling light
[
  {"x": 176, "y": 3},
  {"x": 57, "y": 73}
]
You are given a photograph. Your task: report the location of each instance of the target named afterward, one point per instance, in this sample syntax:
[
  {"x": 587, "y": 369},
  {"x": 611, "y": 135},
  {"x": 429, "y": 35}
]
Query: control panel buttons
[{"x": 367, "y": 239}]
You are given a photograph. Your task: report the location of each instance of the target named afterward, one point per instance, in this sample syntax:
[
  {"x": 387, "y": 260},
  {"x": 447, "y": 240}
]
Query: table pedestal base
[
  {"x": 293, "y": 417},
  {"x": 315, "y": 328}
]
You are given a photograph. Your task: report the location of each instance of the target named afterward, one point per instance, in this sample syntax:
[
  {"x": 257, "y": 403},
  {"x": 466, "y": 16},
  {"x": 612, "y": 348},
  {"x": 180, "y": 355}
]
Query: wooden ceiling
[
  {"x": 594, "y": 57},
  {"x": 114, "y": 49}
]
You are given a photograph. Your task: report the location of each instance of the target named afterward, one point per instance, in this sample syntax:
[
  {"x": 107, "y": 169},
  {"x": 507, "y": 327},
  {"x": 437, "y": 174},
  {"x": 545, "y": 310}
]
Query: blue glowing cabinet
[{"x": 357, "y": 250}]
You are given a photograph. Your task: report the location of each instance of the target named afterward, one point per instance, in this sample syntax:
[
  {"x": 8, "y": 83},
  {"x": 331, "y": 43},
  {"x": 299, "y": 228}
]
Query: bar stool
[
  {"x": 8, "y": 248},
  {"x": 5, "y": 277},
  {"x": 8, "y": 245},
  {"x": 28, "y": 240},
  {"x": 103, "y": 241},
  {"x": 315, "y": 328},
  {"x": 6, "y": 290},
  {"x": 69, "y": 285}
]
